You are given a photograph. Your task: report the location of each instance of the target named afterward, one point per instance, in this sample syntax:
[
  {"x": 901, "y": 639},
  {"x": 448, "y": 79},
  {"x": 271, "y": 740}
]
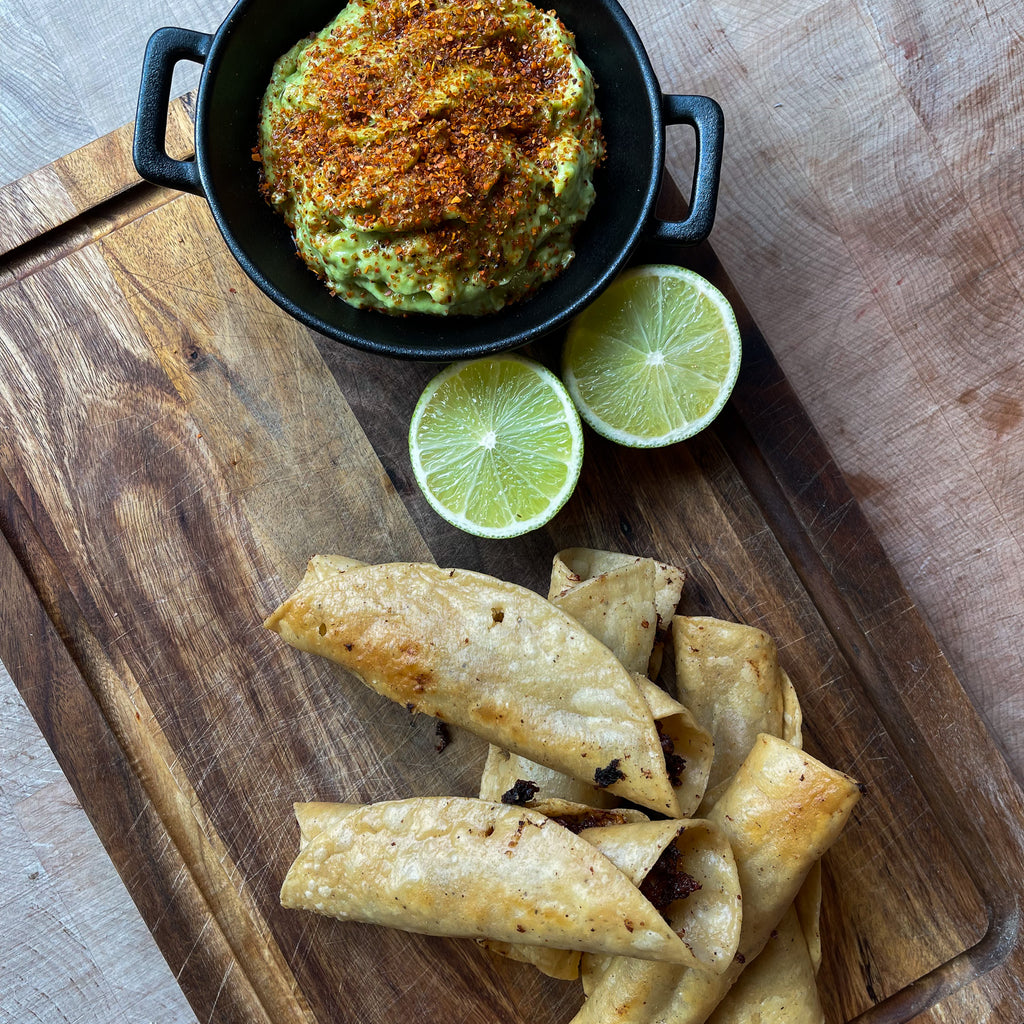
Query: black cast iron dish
[{"x": 237, "y": 61}]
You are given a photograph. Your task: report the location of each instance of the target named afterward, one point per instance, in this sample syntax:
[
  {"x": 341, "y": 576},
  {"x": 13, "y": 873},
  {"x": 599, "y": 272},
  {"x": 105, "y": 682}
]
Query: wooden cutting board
[{"x": 173, "y": 449}]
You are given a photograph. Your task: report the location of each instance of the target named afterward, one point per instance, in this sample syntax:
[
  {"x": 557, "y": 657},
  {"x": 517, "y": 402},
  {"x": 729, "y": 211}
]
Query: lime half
[
  {"x": 654, "y": 358},
  {"x": 496, "y": 445}
]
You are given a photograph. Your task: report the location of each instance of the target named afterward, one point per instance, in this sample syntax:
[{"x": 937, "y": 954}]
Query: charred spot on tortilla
[
  {"x": 667, "y": 882},
  {"x": 521, "y": 793},
  {"x": 609, "y": 775},
  {"x": 516, "y": 836}
]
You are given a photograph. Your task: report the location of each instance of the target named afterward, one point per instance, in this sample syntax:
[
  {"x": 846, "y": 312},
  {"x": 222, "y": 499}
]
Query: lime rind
[
  {"x": 654, "y": 359},
  {"x": 496, "y": 445}
]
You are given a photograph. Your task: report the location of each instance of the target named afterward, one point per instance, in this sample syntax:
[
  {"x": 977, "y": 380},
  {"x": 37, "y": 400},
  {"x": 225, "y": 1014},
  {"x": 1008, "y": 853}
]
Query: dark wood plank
[
  {"x": 105, "y": 740},
  {"x": 179, "y": 448}
]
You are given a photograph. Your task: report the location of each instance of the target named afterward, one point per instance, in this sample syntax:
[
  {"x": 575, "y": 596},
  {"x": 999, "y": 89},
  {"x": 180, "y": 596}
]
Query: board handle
[
  {"x": 166, "y": 47},
  {"x": 705, "y": 116}
]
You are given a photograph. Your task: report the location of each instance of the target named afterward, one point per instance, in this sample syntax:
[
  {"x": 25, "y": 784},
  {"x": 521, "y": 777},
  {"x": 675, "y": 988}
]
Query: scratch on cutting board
[
  {"x": 850, "y": 709},
  {"x": 808, "y": 688},
  {"x": 195, "y": 945},
  {"x": 902, "y": 606},
  {"x": 173, "y": 887},
  {"x": 782, "y": 646},
  {"x": 892, "y": 836},
  {"x": 220, "y": 988},
  {"x": 410, "y": 984},
  {"x": 870, "y": 742}
]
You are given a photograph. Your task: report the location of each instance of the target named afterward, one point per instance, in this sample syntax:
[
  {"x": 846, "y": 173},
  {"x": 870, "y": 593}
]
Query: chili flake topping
[{"x": 432, "y": 155}]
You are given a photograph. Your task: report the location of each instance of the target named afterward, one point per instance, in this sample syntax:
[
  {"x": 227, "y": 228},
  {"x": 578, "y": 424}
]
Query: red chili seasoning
[{"x": 430, "y": 122}]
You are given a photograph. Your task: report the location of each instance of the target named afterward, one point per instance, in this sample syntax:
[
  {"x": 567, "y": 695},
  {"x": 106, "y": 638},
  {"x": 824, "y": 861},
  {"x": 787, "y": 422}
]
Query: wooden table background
[{"x": 871, "y": 215}]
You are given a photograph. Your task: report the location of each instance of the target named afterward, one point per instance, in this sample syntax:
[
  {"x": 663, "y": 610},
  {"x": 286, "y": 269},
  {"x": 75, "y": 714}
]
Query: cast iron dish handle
[
  {"x": 166, "y": 47},
  {"x": 705, "y": 116}
]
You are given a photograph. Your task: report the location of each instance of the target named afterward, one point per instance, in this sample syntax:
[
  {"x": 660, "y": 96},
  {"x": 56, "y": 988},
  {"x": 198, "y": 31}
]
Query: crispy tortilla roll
[
  {"x": 469, "y": 868},
  {"x": 489, "y": 656},
  {"x": 617, "y": 606},
  {"x": 808, "y": 912},
  {"x": 735, "y": 711},
  {"x": 629, "y": 589},
  {"x": 623, "y": 601},
  {"x": 573, "y": 566},
  {"x": 779, "y": 986},
  {"x": 781, "y": 812},
  {"x": 688, "y": 871},
  {"x": 620, "y": 599},
  {"x": 684, "y": 867},
  {"x": 322, "y": 567},
  {"x": 563, "y": 964},
  {"x": 687, "y": 749},
  {"x": 728, "y": 675},
  {"x": 620, "y": 607}
]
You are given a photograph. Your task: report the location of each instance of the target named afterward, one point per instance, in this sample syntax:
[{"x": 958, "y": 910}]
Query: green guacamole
[{"x": 432, "y": 156}]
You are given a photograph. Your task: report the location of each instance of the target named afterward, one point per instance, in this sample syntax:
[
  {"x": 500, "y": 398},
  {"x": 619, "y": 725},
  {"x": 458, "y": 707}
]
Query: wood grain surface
[
  {"x": 870, "y": 219},
  {"x": 172, "y": 462}
]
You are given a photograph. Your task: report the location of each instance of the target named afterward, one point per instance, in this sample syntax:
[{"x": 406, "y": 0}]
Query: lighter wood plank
[
  {"x": 78, "y": 949},
  {"x": 70, "y": 72}
]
